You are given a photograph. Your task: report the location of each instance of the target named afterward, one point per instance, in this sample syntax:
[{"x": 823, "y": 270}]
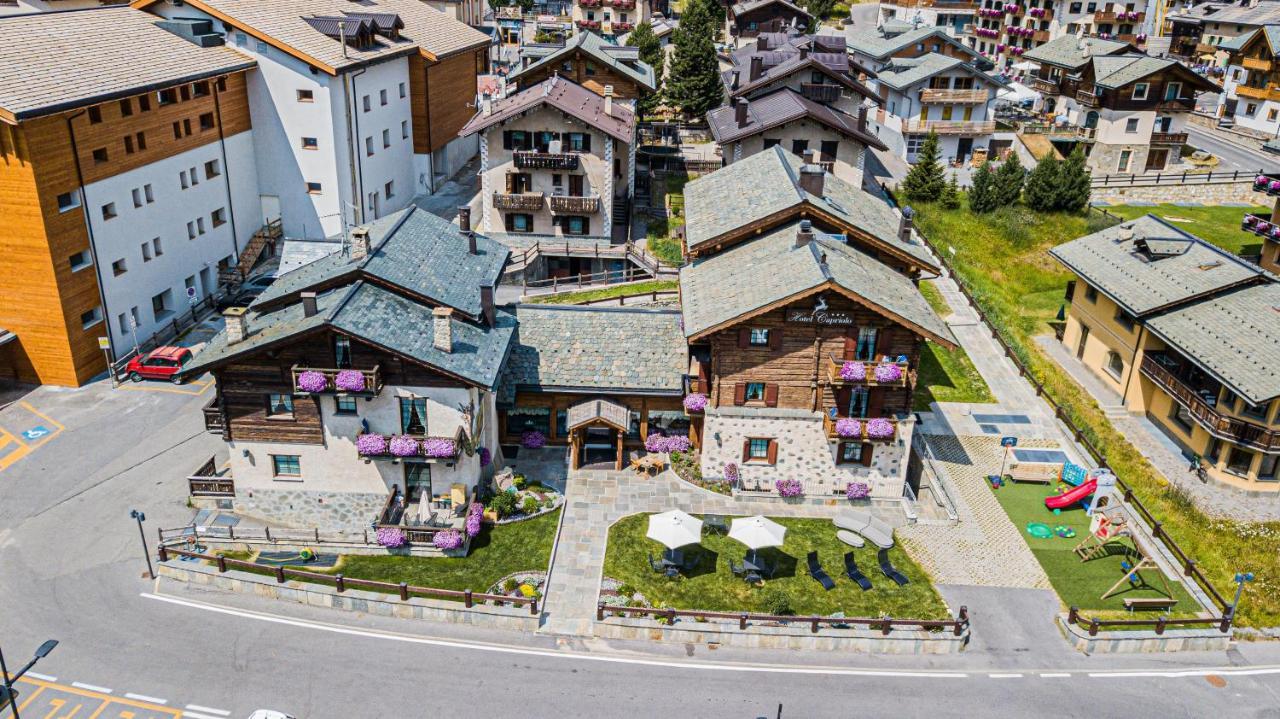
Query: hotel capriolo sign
[{"x": 821, "y": 316}]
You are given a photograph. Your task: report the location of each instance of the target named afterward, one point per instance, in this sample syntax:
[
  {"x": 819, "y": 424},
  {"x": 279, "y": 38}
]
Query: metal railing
[
  {"x": 1217, "y": 423},
  {"x": 597, "y": 250},
  {"x": 1175, "y": 178},
  {"x": 587, "y": 279},
  {"x": 885, "y": 625}
]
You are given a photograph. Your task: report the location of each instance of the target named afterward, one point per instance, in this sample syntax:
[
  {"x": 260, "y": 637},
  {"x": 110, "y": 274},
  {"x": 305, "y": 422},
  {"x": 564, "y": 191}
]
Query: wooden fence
[
  {"x": 1164, "y": 179},
  {"x": 885, "y": 625}
]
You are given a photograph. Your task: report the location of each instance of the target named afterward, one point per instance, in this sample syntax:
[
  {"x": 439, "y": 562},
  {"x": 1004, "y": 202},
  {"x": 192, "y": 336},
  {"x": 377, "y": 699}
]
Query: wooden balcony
[
  {"x": 527, "y": 160},
  {"x": 959, "y": 5},
  {"x": 1261, "y": 225},
  {"x": 206, "y": 482},
  {"x": 371, "y": 386},
  {"x": 1257, "y": 64},
  {"x": 526, "y": 201},
  {"x": 574, "y": 205},
  {"x": 418, "y": 447},
  {"x": 214, "y": 421},
  {"x": 1168, "y": 138},
  {"x": 952, "y": 127},
  {"x": 1205, "y": 414},
  {"x": 1258, "y": 93},
  {"x": 820, "y": 92},
  {"x": 829, "y": 425},
  {"x": 835, "y": 365},
  {"x": 1111, "y": 17},
  {"x": 1044, "y": 86},
  {"x": 953, "y": 97},
  {"x": 1176, "y": 104},
  {"x": 1086, "y": 97}
]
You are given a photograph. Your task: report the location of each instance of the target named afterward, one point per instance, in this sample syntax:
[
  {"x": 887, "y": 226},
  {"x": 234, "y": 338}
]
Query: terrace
[
  {"x": 396, "y": 447},
  {"x": 365, "y": 382},
  {"x": 933, "y": 96},
  {"x": 1198, "y": 393}
]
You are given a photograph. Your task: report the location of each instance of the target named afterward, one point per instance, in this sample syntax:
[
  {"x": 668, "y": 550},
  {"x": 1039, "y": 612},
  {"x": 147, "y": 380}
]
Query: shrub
[
  {"x": 486, "y": 457},
  {"x": 371, "y": 444},
  {"x": 448, "y": 539},
  {"x": 776, "y": 601},
  {"x": 520, "y": 481},
  {"x": 695, "y": 402},
  {"x": 530, "y": 505},
  {"x": 403, "y": 446},
  {"x": 857, "y": 490},
  {"x": 789, "y": 487},
  {"x": 848, "y": 427},
  {"x": 474, "y": 514},
  {"x": 390, "y": 537},
  {"x": 510, "y": 585},
  {"x": 504, "y": 504},
  {"x": 533, "y": 439},
  {"x": 311, "y": 381},
  {"x": 349, "y": 380},
  {"x": 731, "y": 474}
]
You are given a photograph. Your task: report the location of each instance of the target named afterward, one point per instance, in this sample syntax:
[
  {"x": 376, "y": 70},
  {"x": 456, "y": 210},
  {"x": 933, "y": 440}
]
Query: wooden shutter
[
  {"x": 851, "y": 345},
  {"x": 740, "y": 393},
  {"x": 775, "y": 339},
  {"x": 771, "y": 394},
  {"x": 506, "y": 139},
  {"x": 746, "y": 450},
  {"x": 773, "y": 451},
  {"x": 875, "y": 401},
  {"x": 586, "y": 142},
  {"x": 511, "y": 183},
  {"x": 867, "y": 450},
  {"x": 510, "y": 222},
  {"x": 575, "y": 186},
  {"x": 744, "y": 337},
  {"x": 844, "y": 395},
  {"x": 883, "y": 337}
]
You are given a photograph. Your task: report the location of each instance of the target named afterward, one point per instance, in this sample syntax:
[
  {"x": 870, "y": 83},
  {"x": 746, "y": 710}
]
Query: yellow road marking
[
  {"x": 18, "y": 453},
  {"x": 58, "y": 425},
  {"x": 41, "y": 684},
  {"x": 57, "y": 705},
  {"x": 34, "y": 694},
  {"x": 24, "y": 448},
  {"x": 172, "y": 389}
]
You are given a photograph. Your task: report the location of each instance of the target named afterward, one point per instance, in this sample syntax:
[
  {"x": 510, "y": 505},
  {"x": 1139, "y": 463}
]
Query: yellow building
[{"x": 1188, "y": 335}]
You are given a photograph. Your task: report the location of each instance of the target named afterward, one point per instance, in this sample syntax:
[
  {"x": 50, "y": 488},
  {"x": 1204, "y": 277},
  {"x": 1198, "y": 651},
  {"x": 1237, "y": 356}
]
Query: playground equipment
[
  {"x": 1105, "y": 530},
  {"x": 1068, "y": 498},
  {"x": 1099, "y": 483}
]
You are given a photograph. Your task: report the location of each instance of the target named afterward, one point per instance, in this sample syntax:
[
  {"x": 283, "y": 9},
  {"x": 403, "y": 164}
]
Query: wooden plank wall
[
  {"x": 443, "y": 96},
  {"x": 595, "y": 81}
]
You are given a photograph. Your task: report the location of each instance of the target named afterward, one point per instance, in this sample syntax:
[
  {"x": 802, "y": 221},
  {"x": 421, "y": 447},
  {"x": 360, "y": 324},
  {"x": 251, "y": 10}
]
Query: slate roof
[
  {"x": 631, "y": 350},
  {"x": 284, "y": 22},
  {"x": 1262, "y": 13},
  {"x": 739, "y": 8},
  {"x": 1066, "y": 52},
  {"x": 1235, "y": 336},
  {"x": 50, "y": 62},
  {"x": 902, "y": 73},
  {"x": 779, "y": 108},
  {"x": 568, "y": 97},
  {"x": 783, "y": 58},
  {"x": 379, "y": 317},
  {"x": 743, "y": 279},
  {"x": 1118, "y": 71},
  {"x": 411, "y": 249},
  {"x": 878, "y": 44},
  {"x": 768, "y": 182},
  {"x": 625, "y": 60},
  {"x": 1110, "y": 261},
  {"x": 1240, "y": 41}
]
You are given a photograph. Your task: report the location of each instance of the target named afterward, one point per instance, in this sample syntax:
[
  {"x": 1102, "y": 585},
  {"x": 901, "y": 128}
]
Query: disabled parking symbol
[{"x": 35, "y": 433}]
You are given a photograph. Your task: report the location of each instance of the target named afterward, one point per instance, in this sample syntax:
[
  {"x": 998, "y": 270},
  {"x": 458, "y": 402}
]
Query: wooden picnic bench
[
  {"x": 1132, "y": 603},
  {"x": 649, "y": 465}
]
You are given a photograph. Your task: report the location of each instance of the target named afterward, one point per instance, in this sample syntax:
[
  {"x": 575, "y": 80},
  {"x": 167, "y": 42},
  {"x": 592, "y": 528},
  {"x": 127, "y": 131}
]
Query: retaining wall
[
  {"x": 1144, "y": 642},
  {"x": 324, "y": 547},
  {"x": 1213, "y": 193},
  {"x": 789, "y": 636}
]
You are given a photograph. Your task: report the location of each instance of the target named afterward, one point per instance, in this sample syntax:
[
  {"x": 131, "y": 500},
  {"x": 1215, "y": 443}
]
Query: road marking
[
  {"x": 172, "y": 389},
  {"x": 89, "y": 691},
  {"x": 486, "y": 647},
  {"x": 197, "y": 715},
  {"x": 1182, "y": 673},
  {"x": 145, "y": 698},
  {"x": 211, "y": 710},
  {"x": 33, "y": 695},
  {"x": 1005, "y": 676},
  {"x": 38, "y": 675},
  {"x": 91, "y": 688},
  {"x": 1055, "y": 675}
]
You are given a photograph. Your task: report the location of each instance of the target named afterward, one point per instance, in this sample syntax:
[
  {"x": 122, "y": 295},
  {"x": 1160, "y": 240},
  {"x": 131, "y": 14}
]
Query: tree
[
  {"x": 982, "y": 196},
  {"x": 1008, "y": 183},
  {"x": 1043, "y": 187},
  {"x": 694, "y": 83},
  {"x": 496, "y": 5},
  {"x": 819, "y": 8},
  {"x": 526, "y": 6},
  {"x": 926, "y": 180},
  {"x": 715, "y": 10},
  {"x": 651, "y": 54},
  {"x": 951, "y": 194},
  {"x": 1075, "y": 183}
]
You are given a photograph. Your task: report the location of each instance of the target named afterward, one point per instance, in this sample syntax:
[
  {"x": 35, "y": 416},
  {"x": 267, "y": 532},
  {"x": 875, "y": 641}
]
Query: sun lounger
[
  {"x": 876, "y": 531},
  {"x": 851, "y": 539},
  {"x": 817, "y": 572},
  {"x": 851, "y": 570},
  {"x": 888, "y": 568}
]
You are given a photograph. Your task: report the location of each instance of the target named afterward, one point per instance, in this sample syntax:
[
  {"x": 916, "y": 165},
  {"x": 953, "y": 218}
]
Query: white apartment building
[{"x": 941, "y": 94}]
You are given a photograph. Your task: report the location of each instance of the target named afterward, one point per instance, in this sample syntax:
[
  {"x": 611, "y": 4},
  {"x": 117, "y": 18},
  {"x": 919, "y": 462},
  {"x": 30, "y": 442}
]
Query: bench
[
  {"x": 861, "y": 522},
  {"x": 850, "y": 539},
  {"x": 1132, "y": 603}
]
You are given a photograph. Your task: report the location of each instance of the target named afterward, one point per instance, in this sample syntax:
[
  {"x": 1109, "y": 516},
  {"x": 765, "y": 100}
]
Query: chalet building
[
  {"x": 1185, "y": 333},
  {"x": 1251, "y": 81},
  {"x": 1219, "y": 28},
  {"x": 806, "y": 343},
  {"x": 589, "y": 61},
  {"x": 876, "y": 48},
  {"x": 745, "y": 20},
  {"x": 365, "y": 376},
  {"x": 612, "y": 19},
  {"x": 597, "y": 380},
  {"x": 357, "y": 106},
  {"x": 957, "y": 18},
  {"x": 128, "y": 181},
  {"x": 470, "y": 12},
  {"x": 941, "y": 94},
  {"x": 1004, "y": 32},
  {"x": 1130, "y": 110},
  {"x": 816, "y": 67}
]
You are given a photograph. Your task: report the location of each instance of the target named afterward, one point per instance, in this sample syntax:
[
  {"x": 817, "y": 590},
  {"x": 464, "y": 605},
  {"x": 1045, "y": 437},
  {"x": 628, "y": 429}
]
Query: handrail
[
  {"x": 1174, "y": 178},
  {"x": 1217, "y": 423},
  {"x": 342, "y": 583},
  {"x": 884, "y": 624},
  {"x": 1160, "y": 623},
  {"x": 653, "y": 295},
  {"x": 836, "y": 364}
]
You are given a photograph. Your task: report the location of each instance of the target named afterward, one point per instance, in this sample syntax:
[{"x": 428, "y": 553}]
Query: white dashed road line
[
  {"x": 1005, "y": 676},
  {"x": 91, "y": 688},
  {"x": 145, "y": 698},
  {"x": 42, "y": 677},
  {"x": 1056, "y": 675},
  {"x": 210, "y": 710},
  {"x": 196, "y": 715}
]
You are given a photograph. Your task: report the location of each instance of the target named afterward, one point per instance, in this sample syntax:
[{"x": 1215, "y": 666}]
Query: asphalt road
[
  {"x": 1233, "y": 154},
  {"x": 72, "y": 569}
]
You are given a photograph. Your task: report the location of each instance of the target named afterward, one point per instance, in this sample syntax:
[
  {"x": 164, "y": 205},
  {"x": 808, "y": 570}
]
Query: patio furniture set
[
  {"x": 852, "y": 571},
  {"x": 676, "y": 529}
]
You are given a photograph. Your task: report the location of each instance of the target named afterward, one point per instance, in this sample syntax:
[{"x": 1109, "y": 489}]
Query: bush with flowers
[
  {"x": 532, "y": 439},
  {"x": 848, "y": 427},
  {"x": 857, "y": 490},
  {"x": 349, "y": 380},
  {"x": 391, "y": 537},
  {"x": 448, "y": 539},
  {"x": 486, "y": 457},
  {"x": 439, "y": 448},
  {"x": 311, "y": 381},
  {"x": 789, "y": 487},
  {"x": 474, "y": 513},
  {"x": 695, "y": 402},
  {"x": 880, "y": 428},
  {"x": 403, "y": 446},
  {"x": 888, "y": 373},
  {"x": 371, "y": 445},
  {"x": 853, "y": 371},
  {"x": 658, "y": 442}
]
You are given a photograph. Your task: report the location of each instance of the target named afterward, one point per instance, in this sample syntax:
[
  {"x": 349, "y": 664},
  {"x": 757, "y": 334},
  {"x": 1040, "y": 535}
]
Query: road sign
[
  {"x": 35, "y": 433},
  {"x": 104, "y": 343},
  {"x": 1008, "y": 441}
]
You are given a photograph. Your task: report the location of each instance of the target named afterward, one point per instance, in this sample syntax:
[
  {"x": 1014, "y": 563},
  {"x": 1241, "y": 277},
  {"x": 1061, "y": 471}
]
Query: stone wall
[
  {"x": 795, "y": 636},
  {"x": 1207, "y": 639},
  {"x": 1209, "y": 193},
  {"x": 302, "y": 508}
]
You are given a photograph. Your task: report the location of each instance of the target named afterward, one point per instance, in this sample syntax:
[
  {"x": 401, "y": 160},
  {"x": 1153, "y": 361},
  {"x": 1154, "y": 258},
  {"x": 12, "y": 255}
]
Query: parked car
[
  {"x": 160, "y": 363},
  {"x": 269, "y": 714},
  {"x": 247, "y": 292}
]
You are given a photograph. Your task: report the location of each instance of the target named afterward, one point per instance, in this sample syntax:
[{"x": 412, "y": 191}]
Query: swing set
[{"x": 1107, "y": 530}]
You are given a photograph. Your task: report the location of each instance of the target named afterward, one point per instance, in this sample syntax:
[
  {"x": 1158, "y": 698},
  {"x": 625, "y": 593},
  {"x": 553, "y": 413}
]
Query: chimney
[
  {"x": 811, "y": 179},
  {"x": 805, "y": 235},
  {"x": 487, "y": 309},
  {"x": 359, "y": 243},
  {"x": 464, "y": 218},
  {"x": 905, "y": 225},
  {"x": 235, "y": 318},
  {"x": 740, "y": 112},
  {"x": 608, "y": 100},
  {"x": 443, "y": 320},
  {"x": 809, "y": 156},
  {"x": 486, "y": 106},
  {"x": 757, "y": 68},
  {"x": 734, "y": 84},
  {"x": 862, "y": 118},
  {"x": 308, "y": 304},
  {"x": 804, "y": 53},
  {"x": 762, "y": 43}
]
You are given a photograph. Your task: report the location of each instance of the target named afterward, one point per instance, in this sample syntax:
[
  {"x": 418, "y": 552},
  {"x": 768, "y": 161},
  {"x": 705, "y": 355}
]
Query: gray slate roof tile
[
  {"x": 902, "y": 73},
  {"x": 779, "y": 108},
  {"x": 566, "y": 96},
  {"x": 877, "y": 44},
  {"x": 622, "y": 59},
  {"x": 1066, "y": 51}
]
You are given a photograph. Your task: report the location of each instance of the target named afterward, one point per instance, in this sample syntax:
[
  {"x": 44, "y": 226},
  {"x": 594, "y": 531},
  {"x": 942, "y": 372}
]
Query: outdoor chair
[
  {"x": 737, "y": 568},
  {"x": 691, "y": 561},
  {"x": 889, "y": 570},
  {"x": 817, "y": 572},
  {"x": 851, "y": 570},
  {"x": 753, "y": 578},
  {"x": 653, "y": 564}
]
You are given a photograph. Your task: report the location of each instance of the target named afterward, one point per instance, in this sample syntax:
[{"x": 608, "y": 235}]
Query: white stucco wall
[{"x": 848, "y": 162}]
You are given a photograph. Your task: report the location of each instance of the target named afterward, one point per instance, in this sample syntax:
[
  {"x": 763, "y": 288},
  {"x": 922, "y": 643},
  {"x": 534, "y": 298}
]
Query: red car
[{"x": 159, "y": 363}]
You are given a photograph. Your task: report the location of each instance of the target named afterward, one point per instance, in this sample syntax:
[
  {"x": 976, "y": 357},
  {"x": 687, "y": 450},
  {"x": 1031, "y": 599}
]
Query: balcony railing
[
  {"x": 1043, "y": 86},
  {"x": 952, "y": 127},
  {"x": 832, "y": 425},
  {"x": 1108, "y": 17},
  {"x": 207, "y": 483},
  {"x": 1217, "y": 423},
  {"x": 214, "y": 421},
  {"x": 1087, "y": 97},
  {"x": 397, "y": 514},
  {"x": 1261, "y": 225},
  {"x": 408, "y": 446},
  {"x": 868, "y": 373},
  {"x": 575, "y": 205},
  {"x": 1176, "y": 104},
  {"x": 371, "y": 383},
  {"x": 953, "y": 97},
  {"x": 1168, "y": 138},
  {"x": 530, "y": 160},
  {"x": 820, "y": 92},
  {"x": 529, "y": 201},
  {"x": 1257, "y": 64}
]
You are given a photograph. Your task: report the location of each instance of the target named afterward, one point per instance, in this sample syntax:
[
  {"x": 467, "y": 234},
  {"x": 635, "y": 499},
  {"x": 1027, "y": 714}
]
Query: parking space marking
[
  {"x": 211, "y": 710},
  {"x": 198, "y": 387},
  {"x": 39, "y": 435},
  {"x": 18, "y": 451},
  {"x": 90, "y": 688},
  {"x": 87, "y": 701}
]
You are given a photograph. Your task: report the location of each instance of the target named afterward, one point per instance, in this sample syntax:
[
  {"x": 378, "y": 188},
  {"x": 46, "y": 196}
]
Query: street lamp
[
  {"x": 142, "y": 535},
  {"x": 1241, "y": 579},
  {"x": 8, "y": 696}
]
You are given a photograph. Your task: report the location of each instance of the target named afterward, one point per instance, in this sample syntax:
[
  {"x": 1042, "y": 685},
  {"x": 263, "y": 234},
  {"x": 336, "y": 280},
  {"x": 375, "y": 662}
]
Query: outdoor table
[
  {"x": 715, "y": 523},
  {"x": 672, "y": 558},
  {"x": 753, "y": 563}
]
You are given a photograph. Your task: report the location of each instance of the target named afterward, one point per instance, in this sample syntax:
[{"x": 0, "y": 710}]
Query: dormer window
[{"x": 1140, "y": 90}]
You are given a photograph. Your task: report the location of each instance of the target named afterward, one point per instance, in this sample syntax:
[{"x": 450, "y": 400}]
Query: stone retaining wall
[
  {"x": 1214, "y": 193},
  {"x": 352, "y": 600},
  {"x": 790, "y": 636},
  {"x": 324, "y": 547},
  {"x": 1144, "y": 642}
]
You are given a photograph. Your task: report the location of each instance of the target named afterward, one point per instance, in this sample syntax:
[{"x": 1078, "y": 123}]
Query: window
[
  {"x": 402, "y": 90},
  {"x": 529, "y": 419},
  {"x": 140, "y": 139},
  {"x": 382, "y": 97},
  {"x": 118, "y": 267},
  {"x": 1140, "y": 90},
  {"x": 219, "y": 217},
  {"x": 182, "y": 178},
  {"x": 156, "y": 248},
  {"x": 1255, "y": 411},
  {"x": 80, "y": 260},
  {"x": 1173, "y": 91},
  {"x": 95, "y": 115},
  {"x": 144, "y": 103},
  {"x": 313, "y": 188},
  {"x": 191, "y": 230},
  {"x": 68, "y": 201},
  {"x": 575, "y": 225},
  {"x": 853, "y": 452},
  {"x": 864, "y": 347},
  {"x": 1115, "y": 365},
  {"x": 413, "y": 415},
  {"x": 947, "y": 112},
  {"x": 146, "y": 252},
  {"x": 771, "y": 142},
  {"x": 342, "y": 352},
  {"x": 100, "y": 155},
  {"x": 310, "y": 143},
  {"x": 184, "y": 92},
  {"x": 91, "y": 318},
  {"x": 1131, "y": 125},
  {"x": 404, "y": 129},
  {"x": 1091, "y": 293},
  {"x": 386, "y": 138},
  {"x": 200, "y": 225},
  {"x": 206, "y": 121},
  {"x": 279, "y": 405},
  {"x": 128, "y": 145},
  {"x": 286, "y": 465},
  {"x": 368, "y": 146},
  {"x": 137, "y": 197},
  {"x": 755, "y": 392},
  {"x": 1239, "y": 461},
  {"x": 387, "y": 189},
  {"x": 364, "y": 102},
  {"x": 109, "y": 211},
  {"x": 161, "y": 305},
  {"x": 1124, "y": 319},
  {"x": 1250, "y": 108},
  {"x": 798, "y": 147},
  {"x": 1269, "y": 470},
  {"x": 1125, "y": 156},
  {"x": 758, "y": 337},
  {"x": 590, "y": 69},
  {"x": 306, "y": 96},
  {"x": 519, "y": 222},
  {"x": 914, "y": 143},
  {"x": 212, "y": 169},
  {"x": 200, "y": 89},
  {"x": 126, "y": 108},
  {"x": 758, "y": 449},
  {"x": 1271, "y": 115},
  {"x": 345, "y": 405},
  {"x": 166, "y": 97}
]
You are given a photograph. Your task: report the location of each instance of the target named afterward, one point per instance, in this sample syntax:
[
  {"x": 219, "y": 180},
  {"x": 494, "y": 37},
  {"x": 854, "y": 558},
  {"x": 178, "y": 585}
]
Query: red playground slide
[{"x": 1067, "y": 499}]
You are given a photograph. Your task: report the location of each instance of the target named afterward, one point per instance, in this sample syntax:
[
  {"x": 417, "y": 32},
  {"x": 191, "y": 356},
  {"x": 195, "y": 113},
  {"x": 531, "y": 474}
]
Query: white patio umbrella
[
  {"x": 757, "y": 532},
  {"x": 674, "y": 529}
]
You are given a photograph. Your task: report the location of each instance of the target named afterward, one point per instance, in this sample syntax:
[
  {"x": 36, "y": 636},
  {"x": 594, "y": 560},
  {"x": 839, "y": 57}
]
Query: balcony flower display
[
  {"x": 789, "y": 487},
  {"x": 853, "y": 371},
  {"x": 1275, "y": 231},
  {"x": 486, "y": 457},
  {"x": 1261, "y": 181},
  {"x": 533, "y": 439},
  {"x": 1000, "y": 47},
  {"x": 349, "y": 380},
  {"x": 371, "y": 444},
  {"x": 390, "y": 537},
  {"x": 474, "y": 513},
  {"x": 658, "y": 442},
  {"x": 1273, "y": 186},
  {"x": 448, "y": 539},
  {"x": 695, "y": 402},
  {"x": 438, "y": 448},
  {"x": 879, "y": 428},
  {"x": 848, "y": 427},
  {"x": 888, "y": 373},
  {"x": 1142, "y": 37},
  {"x": 311, "y": 381},
  {"x": 731, "y": 474},
  {"x": 857, "y": 490},
  {"x": 402, "y": 446},
  {"x": 1262, "y": 227}
]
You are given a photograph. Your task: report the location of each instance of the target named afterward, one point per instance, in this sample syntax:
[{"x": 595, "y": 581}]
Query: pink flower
[
  {"x": 371, "y": 444},
  {"x": 403, "y": 446},
  {"x": 438, "y": 448},
  {"x": 390, "y": 536},
  {"x": 350, "y": 380},
  {"x": 888, "y": 373},
  {"x": 533, "y": 439},
  {"x": 847, "y": 427},
  {"x": 789, "y": 487},
  {"x": 485, "y": 456},
  {"x": 695, "y": 402},
  {"x": 474, "y": 513},
  {"x": 857, "y": 490},
  {"x": 448, "y": 539},
  {"x": 311, "y": 381},
  {"x": 853, "y": 372},
  {"x": 880, "y": 428},
  {"x": 731, "y": 473}
]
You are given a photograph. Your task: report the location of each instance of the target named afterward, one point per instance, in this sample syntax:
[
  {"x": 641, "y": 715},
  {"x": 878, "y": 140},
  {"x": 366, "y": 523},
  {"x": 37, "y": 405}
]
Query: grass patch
[
  {"x": 1002, "y": 258},
  {"x": 712, "y": 586},
  {"x": 934, "y": 297},
  {"x": 1078, "y": 583},
  {"x": 948, "y": 376},
  {"x": 660, "y": 242},
  {"x": 1217, "y": 224},
  {"x": 604, "y": 293}
]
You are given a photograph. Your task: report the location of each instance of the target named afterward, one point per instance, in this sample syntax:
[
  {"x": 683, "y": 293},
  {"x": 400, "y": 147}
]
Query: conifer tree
[
  {"x": 951, "y": 194},
  {"x": 694, "y": 83},
  {"x": 1008, "y": 183},
  {"x": 982, "y": 196},
  {"x": 926, "y": 180},
  {"x": 1075, "y": 183},
  {"x": 650, "y": 47},
  {"x": 1043, "y": 188}
]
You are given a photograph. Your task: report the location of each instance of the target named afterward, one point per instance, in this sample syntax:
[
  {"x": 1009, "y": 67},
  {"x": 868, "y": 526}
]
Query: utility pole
[
  {"x": 146, "y": 553},
  {"x": 8, "y": 697}
]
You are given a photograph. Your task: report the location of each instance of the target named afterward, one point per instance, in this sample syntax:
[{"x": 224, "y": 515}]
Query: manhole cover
[{"x": 1215, "y": 680}]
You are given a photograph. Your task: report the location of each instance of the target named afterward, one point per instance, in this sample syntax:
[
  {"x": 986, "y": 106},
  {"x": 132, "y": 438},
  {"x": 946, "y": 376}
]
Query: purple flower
[
  {"x": 390, "y": 536},
  {"x": 789, "y": 487},
  {"x": 1274, "y": 186},
  {"x": 485, "y": 456},
  {"x": 695, "y": 402},
  {"x": 371, "y": 444},
  {"x": 1261, "y": 180},
  {"x": 474, "y": 513},
  {"x": 888, "y": 373},
  {"x": 403, "y": 446},
  {"x": 350, "y": 380},
  {"x": 533, "y": 439},
  {"x": 853, "y": 372},
  {"x": 857, "y": 490},
  {"x": 437, "y": 447},
  {"x": 880, "y": 428},
  {"x": 448, "y": 539},
  {"x": 657, "y": 442},
  {"x": 311, "y": 381},
  {"x": 847, "y": 427},
  {"x": 731, "y": 474}
]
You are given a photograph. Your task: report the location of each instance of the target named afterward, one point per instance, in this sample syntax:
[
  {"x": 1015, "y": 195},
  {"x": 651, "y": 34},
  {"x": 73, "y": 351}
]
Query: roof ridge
[{"x": 351, "y": 291}]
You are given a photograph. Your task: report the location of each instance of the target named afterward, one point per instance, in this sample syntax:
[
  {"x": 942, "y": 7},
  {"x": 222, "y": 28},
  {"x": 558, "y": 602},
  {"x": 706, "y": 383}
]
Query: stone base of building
[
  {"x": 1208, "y": 639},
  {"x": 795, "y": 636},
  {"x": 301, "y": 508}
]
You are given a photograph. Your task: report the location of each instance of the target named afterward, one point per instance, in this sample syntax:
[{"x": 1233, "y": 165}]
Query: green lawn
[
  {"x": 933, "y": 296},
  {"x": 1212, "y": 223},
  {"x": 1081, "y": 584},
  {"x": 634, "y": 288},
  {"x": 660, "y": 242},
  {"x": 1002, "y": 258},
  {"x": 948, "y": 376},
  {"x": 713, "y": 587}
]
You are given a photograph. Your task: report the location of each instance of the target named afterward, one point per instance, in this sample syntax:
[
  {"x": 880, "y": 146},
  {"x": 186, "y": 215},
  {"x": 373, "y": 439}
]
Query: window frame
[
  {"x": 286, "y": 400},
  {"x": 752, "y": 443},
  {"x": 758, "y": 336},
  {"x": 748, "y": 395},
  {"x": 1146, "y": 91},
  {"x": 293, "y": 461},
  {"x": 351, "y": 410}
]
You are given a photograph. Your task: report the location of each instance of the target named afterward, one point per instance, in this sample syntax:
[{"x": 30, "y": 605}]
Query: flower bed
[
  {"x": 525, "y": 500},
  {"x": 687, "y": 466},
  {"x": 658, "y": 442},
  {"x": 857, "y": 490},
  {"x": 520, "y": 584}
]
